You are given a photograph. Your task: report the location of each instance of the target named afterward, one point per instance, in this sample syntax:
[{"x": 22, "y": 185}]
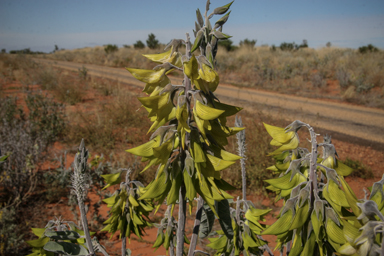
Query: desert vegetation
[
  {"x": 192, "y": 144},
  {"x": 354, "y": 76}
]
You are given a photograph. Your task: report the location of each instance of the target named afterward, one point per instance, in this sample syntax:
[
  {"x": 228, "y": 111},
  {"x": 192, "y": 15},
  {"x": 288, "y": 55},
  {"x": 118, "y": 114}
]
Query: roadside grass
[
  {"x": 108, "y": 116},
  {"x": 360, "y": 170},
  {"x": 305, "y": 72}
]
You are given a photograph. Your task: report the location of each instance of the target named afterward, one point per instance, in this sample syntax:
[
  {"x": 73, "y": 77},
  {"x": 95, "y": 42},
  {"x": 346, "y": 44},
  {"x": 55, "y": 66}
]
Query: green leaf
[
  {"x": 112, "y": 179},
  {"x": 199, "y": 38},
  {"x": 38, "y": 231},
  {"x": 297, "y": 245},
  {"x": 3, "y": 158},
  {"x": 62, "y": 235},
  {"x": 225, "y": 220},
  {"x": 309, "y": 247},
  {"x": 38, "y": 242},
  {"x": 334, "y": 232},
  {"x": 146, "y": 149},
  {"x": 65, "y": 248},
  {"x": 301, "y": 216},
  {"x": 219, "y": 164},
  {"x": 190, "y": 188},
  {"x": 281, "y": 225},
  {"x": 173, "y": 194},
  {"x": 157, "y": 188},
  {"x": 346, "y": 249},
  {"x": 218, "y": 243},
  {"x": 207, "y": 220},
  {"x": 207, "y": 113},
  {"x": 147, "y": 76}
]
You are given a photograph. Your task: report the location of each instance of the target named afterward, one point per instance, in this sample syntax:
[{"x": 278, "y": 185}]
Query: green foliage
[
  {"x": 227, "y": 44},
  {"x": 139, "y": 45},
  {"x": 11, "y": 235},
  {"x": 110, "y": 48},
  {"x": 368, "y": 48},
  {"x": 359, "y": 169},
  {"x": 152, "y": 42},
  {"x": 292, "y": 46},
  {"x": 321, "y": 214},
  {"x": 83, "y": 71},
  {"x": 24, "y": 138},
  {"x": 248, "y": 43}
]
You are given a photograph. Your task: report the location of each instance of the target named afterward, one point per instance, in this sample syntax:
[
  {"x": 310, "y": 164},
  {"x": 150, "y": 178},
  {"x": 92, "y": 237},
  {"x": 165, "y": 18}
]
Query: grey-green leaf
[
  {"x": 199, "y": 18},
  {"x": 222, "y": 209},
  {"x": 207, "y": 220},
  {"x": 65, "y": 248},
  {"x": 62, "y": 235}
]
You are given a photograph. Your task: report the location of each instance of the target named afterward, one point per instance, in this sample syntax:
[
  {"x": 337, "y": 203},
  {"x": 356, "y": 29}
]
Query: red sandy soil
[{"x": 366, "y": 155}]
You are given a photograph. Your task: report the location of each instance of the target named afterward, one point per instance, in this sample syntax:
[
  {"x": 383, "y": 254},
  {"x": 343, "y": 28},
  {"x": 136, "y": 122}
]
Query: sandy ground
[{"x": 355, "y": 146}]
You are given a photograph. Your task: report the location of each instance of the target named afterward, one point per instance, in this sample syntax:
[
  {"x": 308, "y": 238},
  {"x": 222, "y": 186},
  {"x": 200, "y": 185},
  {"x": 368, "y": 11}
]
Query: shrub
[
  {"x": 248, "y": 43},
  {"x": 287, "y": 46},
  {"x": 227, "y": 45},
  {"x": 111, "y": 48},
  {"x": 139, "y": 45},
  {"x": 368, "y": 48},
  {"x": 152, "y": 42}
]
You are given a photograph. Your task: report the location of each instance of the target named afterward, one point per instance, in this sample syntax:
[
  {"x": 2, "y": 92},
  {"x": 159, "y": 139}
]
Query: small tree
[
  {"x": 328, "y": 44},
  {"x": 152, "y": 42},
  {"x": 110, "y": 48},
  {"x": 3, "y": 51},
  {"x": 248, "y": 43},
  {"x": 227, "y": 44},
  {"x": 139, "y": 45}
]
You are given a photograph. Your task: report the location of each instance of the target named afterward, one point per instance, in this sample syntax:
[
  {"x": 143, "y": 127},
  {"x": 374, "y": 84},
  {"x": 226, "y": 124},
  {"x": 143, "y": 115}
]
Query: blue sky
[{"x": 40, "y": 24}]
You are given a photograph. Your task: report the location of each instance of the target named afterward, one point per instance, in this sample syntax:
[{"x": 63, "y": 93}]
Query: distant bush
[
  {"x": 152, "y": 42},
  {"x": 110, "y": 48},
  {"x": 292, "y": 46},
  {"x": 368, "y": 48},
  {"x": 287, "y": 46},
  {"x": 328, "y": 44},
  {"x": 248, "y": 43},
  {"x": 126, "y": 46},
  {"x": 139, "y": 45},
  {"x": 227, "y": 44},
  {"x": 3, "y": 51}
]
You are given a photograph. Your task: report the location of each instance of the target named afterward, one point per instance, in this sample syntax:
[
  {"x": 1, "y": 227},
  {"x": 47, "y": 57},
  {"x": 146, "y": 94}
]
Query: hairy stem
[
  {"x": 313, "y": 164},
  {"x": 241, "y": 150},
  {"x": 181, "y": 222},
  {"x": 196, "y": 226},
  {"x": 84, "y": 222}
]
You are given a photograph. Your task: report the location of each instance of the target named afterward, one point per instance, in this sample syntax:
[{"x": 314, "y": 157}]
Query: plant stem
[
  {"x": 181, "y": 222},
  {"x": 196, "y": 226},
  {"x": 241, "y": 150},
  {"x": 313, "y": 164},
  {"x": 123, "y": 245},
  {"x": 84, "y": 222}
]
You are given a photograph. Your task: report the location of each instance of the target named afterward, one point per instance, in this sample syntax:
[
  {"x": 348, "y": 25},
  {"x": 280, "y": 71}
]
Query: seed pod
[
  {"x": 199, "y": 18},
  {"x": 223, "y": 9},
  {"x": 221, "y": 21},
  {"x": 219, "y": 35},
  {"x": 199, "y": 37}
]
